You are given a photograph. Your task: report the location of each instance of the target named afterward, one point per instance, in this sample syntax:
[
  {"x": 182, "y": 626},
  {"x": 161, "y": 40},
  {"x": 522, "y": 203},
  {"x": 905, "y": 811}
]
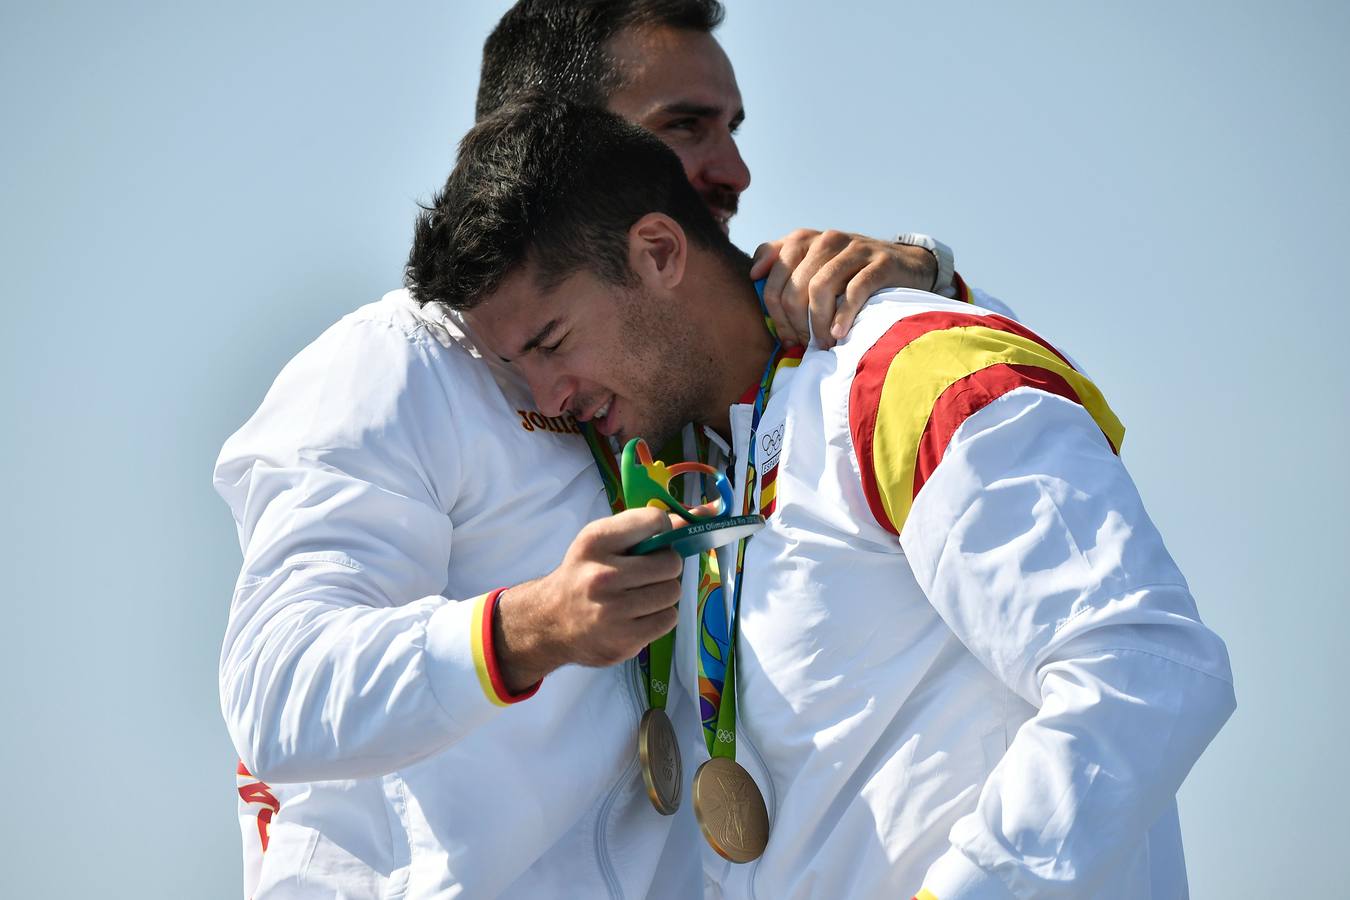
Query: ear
[{"x": 657, "y": 251}]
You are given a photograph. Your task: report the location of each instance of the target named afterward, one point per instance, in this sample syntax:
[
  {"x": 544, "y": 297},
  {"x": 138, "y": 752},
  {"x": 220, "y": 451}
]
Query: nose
[
  {"x": 725, "y": 167},
  {"x": 552, "y": 391}
]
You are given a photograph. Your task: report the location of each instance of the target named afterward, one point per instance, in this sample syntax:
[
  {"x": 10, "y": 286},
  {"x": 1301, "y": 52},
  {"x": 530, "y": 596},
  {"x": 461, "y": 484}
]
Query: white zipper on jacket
[{"x": 633, "y": 694}]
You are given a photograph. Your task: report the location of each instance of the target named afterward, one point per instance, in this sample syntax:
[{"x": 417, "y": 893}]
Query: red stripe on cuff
[{"x": 490, "y": 655}]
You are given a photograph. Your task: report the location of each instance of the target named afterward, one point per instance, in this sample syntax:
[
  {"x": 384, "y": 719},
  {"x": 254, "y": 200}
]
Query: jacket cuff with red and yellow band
[
  {"x": 955, "y": 877},
  {"x": 462, "y": 661},
  {"x": 485, "y": 654}
]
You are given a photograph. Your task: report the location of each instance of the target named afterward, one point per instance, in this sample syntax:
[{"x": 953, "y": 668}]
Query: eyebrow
[{"x": 700, "y": 110}]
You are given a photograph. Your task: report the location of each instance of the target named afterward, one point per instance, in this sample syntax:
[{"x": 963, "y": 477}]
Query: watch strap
[{"x": 946, "y": 262}]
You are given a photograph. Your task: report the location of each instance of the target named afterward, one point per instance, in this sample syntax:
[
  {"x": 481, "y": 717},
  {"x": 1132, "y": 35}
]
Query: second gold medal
[{"x": 662, "y": 769}]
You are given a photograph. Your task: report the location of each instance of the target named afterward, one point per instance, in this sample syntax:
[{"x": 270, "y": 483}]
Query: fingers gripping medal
[{"x": 646, "y": 483}]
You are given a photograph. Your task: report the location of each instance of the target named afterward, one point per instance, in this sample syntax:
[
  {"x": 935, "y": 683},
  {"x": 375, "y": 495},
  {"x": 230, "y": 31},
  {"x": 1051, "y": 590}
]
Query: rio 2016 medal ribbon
[
  {"x": 644, "y": 482},
  {"x": 727, "y": 803},
  {"x": 658, "y": 750}
]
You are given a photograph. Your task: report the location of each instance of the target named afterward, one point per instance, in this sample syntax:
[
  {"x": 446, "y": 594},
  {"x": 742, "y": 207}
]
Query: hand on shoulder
[{"x": 816, "y": 281}]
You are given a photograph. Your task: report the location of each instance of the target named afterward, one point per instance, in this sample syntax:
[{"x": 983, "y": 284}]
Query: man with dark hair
[
  {"x": 656, "y": 63},
  {"x": 395, "y": 479},
  {"x": 959, "y": 662},
  {"x": 559, "y": 48}
]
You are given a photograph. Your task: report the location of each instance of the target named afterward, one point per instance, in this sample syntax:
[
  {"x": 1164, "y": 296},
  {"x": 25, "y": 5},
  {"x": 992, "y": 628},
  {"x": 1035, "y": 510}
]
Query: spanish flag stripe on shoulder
[
  {"x": 971, "y": 394},
  {"x": 901, "y": 411}
]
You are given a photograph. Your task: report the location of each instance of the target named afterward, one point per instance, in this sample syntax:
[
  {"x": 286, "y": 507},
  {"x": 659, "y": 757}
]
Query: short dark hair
[
  {"x": 554, "y": 183},
  {"x": 559, "y": 46}
]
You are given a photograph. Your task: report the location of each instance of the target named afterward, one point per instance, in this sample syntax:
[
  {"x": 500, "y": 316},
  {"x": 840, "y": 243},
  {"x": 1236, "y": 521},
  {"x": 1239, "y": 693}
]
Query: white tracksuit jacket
[
  {"x": 387, "y": 482},
  {"x": 967, "y": 664}
]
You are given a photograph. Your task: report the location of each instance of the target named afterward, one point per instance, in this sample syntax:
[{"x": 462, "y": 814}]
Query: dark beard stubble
[{"x": 670, "y": 371}]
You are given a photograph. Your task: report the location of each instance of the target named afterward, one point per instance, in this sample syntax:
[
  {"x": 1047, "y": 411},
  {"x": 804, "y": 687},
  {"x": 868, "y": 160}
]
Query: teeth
[{"x": 601, "y": 412}]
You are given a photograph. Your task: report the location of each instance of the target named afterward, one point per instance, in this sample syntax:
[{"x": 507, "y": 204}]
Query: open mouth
[{"x": 599, "y": 416}]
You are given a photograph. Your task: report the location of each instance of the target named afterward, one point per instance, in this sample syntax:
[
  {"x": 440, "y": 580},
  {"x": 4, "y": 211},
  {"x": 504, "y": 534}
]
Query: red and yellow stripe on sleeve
[
  {"x": 925, "y": 894},
  {"x": 927, "y": 375},
  {"x": 485, "y": 654},
  {"x": 962, "y": 289}
]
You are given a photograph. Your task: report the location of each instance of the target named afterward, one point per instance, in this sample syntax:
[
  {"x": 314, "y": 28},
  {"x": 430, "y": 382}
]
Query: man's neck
[{"x": 738, "y": 339}]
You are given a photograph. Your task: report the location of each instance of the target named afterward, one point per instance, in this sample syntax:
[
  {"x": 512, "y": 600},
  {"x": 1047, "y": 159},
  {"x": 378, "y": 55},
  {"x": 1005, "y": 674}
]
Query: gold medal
[
  {"x": 730, "y": 810},
  {"x": 659, "y": 754}
]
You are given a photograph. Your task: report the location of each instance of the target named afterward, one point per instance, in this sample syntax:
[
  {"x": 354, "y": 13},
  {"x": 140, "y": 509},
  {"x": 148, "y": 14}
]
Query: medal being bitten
[
  {"x": 662, "y": 770},
  {"x": 730, "y": 810}
]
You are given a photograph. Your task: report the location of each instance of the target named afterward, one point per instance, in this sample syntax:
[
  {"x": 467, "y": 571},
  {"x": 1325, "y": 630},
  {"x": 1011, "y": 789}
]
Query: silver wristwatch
[{"x": 946, "y": 263}]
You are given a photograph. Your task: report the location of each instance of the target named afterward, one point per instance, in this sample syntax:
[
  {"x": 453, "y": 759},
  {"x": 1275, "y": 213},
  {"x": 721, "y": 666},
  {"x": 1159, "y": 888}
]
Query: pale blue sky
[{"x": 190, "y": 192}]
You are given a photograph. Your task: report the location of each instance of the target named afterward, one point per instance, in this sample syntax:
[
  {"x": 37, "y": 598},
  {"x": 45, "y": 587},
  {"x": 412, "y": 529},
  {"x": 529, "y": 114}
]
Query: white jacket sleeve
[
  {"x": 341, "y": 658},
  {"x": 1031, "y": 542}
]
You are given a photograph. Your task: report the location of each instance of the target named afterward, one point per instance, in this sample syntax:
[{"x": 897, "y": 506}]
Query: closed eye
[{"x": 543, "y": 334}]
